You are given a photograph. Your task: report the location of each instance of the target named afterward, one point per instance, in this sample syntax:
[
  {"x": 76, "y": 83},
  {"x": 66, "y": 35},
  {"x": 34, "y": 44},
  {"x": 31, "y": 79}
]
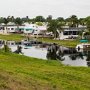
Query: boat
[{"x": 84, "y": 44}]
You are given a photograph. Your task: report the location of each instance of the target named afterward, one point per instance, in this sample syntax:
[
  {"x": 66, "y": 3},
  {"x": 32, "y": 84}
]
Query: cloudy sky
[{"x": 56, "y": 8}]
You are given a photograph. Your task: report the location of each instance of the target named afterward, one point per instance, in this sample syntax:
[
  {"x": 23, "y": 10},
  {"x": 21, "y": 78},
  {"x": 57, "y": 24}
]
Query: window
[
  {"x": 12, "y": 28},
  {"x": 35, "y": 34},
  {"x": 74, "y": 32},
  {"x": 70, "y": 32},
  {"x": 65, "y": 33},
  {"x": 27, "y": 29}
]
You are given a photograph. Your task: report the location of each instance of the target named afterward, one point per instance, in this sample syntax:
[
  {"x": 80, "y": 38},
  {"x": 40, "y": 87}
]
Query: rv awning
[{"x": 20, "y": 29}]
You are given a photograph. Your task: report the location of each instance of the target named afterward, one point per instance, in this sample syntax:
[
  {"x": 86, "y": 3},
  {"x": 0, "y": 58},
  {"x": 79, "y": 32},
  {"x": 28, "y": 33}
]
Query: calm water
[{"x": 68, "y": 56}]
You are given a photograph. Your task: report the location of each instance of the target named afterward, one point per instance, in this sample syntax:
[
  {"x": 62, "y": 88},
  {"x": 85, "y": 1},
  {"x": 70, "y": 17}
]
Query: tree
[
  {"x": 49, "y": 18},
  {"x": 87, "y": 22},
  {"x": 52, "y": 27},
  {"x": 1, "y": 20},
  {"x": 10, "y": 18},
  {"x": 61, "y": 22},
  {"x": 60, "y": 19},
  {"x": 39, "y": 19},
  {"x": 18, "y": 22},
  {"x": 26, "y": 19},
  {"x": 81, "y": 21},
  {"x": 72, "y": 21},
  {"x": 5, "y": 22}
]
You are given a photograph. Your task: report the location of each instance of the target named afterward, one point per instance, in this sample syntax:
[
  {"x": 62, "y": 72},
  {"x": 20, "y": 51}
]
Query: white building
[
  {"x": 40, "y": 30},
  {"x": 29, "y": 28},
  {"x": 35, "y": 30},
  {"x": 70, "y": 33}
]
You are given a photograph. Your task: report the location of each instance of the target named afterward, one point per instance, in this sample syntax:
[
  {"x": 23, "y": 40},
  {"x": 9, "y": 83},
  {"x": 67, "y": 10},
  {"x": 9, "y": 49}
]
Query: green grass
[
  {"x": 15, "y": 37},
  {"x": 68, "y": 43},
  {"x": 19, "y": 72},
  {"x": 18, "y": 37}
]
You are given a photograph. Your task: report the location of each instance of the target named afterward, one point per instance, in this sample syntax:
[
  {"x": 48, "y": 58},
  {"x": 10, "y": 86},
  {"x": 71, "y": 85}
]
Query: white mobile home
[
  {"x": 40, "y": 31},
  {"x": 29, "y": 28},
  {"x": 70, "y": 33}
]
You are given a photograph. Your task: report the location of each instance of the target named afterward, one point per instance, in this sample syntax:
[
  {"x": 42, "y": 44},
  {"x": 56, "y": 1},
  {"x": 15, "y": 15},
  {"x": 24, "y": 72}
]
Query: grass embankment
[
  {"x": 68, "y": 43},
  {"x": 24, "y": 73},
  {"x": 15, "y": 37},
  {"x": 18, "y": 37}
]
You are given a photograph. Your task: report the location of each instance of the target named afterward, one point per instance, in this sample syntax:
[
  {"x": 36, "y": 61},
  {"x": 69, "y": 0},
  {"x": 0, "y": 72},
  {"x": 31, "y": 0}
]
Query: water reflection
[
  {"x": 54, "y": 53},
  {"x": 69, "y": 56}
]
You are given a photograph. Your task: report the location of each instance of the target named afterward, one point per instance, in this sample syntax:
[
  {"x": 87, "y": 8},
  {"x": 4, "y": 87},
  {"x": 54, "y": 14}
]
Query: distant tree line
[
  {"x": 52, "y": 24},
  {"x": 72, "y": 21}
]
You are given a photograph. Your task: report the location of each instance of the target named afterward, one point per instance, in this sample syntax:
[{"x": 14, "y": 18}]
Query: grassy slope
[{"x": 24, "y": 73}]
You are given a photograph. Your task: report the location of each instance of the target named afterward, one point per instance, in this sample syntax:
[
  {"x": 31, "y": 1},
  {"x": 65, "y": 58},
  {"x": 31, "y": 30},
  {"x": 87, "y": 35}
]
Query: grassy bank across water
[
  {"x": 15, "y": 37},
  {"x": 68, "y": 43},
  {"x": 19, "y": 72},
  {"x": 18, "y": 37}
]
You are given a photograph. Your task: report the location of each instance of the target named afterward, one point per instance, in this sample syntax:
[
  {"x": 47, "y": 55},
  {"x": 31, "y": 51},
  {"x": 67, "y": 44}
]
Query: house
[
  {"x": 34, "y": 30},
  {"x": 29, "y": 28},
  {"x": 70, "y": 33},
  {"x": 10, "y": 28},
  {"x": 40, "y": 31},
  {"x": 1, "y": 29}
]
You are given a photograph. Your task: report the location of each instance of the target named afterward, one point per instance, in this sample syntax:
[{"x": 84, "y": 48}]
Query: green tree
[
  {"x": 72, "y": 21},
  {"x": 6, "y": 22},
  {"x": 61, "y": 22},
  {"x": 82, "y": 21},
  {"x": 87, "y": 22},
  {"x": 26, "y": 19},
  {"x": 60, "y": 19},
  {"x": 39, "y": 19},
  {"x": 49, "y": 18},
  {"x": 18, "y": 22},
  {"x": 10, "y": 18},
  {"x": 1, "y": 20},
  {"x": 52, "y": 27}
]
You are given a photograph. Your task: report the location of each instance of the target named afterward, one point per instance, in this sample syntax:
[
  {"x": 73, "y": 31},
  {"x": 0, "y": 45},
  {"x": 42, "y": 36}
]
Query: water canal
[{"x": 68, "y": 56}]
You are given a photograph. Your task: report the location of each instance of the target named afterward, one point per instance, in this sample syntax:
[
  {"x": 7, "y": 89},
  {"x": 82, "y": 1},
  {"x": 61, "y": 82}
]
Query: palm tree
[
  {"x": 87, "y": 22},
  {"x": 52, "y": 27},
  {"x": 72, "y": 21},
  {"x": 18, "y": 22},
  {"x": 81, "y": 21},
  {"x": 5, "y": 22}
]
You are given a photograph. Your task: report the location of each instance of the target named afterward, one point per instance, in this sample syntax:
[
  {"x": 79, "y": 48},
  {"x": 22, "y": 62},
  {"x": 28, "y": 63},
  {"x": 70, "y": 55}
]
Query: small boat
[{"x": 84, "y": 44}]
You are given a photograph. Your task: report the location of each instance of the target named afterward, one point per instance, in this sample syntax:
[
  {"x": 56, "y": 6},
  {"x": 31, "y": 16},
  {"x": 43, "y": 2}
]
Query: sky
[{"x": 56, "y": 8}]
